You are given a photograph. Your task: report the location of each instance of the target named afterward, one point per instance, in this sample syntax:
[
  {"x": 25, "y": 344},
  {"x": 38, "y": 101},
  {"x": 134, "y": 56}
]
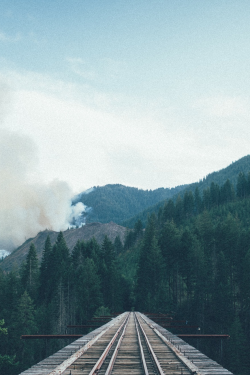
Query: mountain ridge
[
  {"x": 230, "y": 173},
  {"x": 118, "y": 202},
  {"x": 71, "y": 236}
]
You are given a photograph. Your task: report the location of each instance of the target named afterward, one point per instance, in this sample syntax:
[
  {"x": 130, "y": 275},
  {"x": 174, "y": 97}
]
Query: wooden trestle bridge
[{"x": 131, "y": 344}]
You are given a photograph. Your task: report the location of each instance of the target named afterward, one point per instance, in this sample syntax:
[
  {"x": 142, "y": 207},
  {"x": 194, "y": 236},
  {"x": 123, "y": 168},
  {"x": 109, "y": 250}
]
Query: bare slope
[{"x": 71, "y": 236}]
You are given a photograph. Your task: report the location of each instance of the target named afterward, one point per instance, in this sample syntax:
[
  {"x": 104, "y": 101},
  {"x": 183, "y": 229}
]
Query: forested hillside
[
  {"x": 71, "y": 236},
  {"x": 192, "y": 260},
  {"x": 118, "y": 203},
  {"x": 219, "y": 178}
]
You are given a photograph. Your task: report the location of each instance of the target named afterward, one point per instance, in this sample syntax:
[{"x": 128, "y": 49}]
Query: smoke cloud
[{"x": 27, "y": 207}]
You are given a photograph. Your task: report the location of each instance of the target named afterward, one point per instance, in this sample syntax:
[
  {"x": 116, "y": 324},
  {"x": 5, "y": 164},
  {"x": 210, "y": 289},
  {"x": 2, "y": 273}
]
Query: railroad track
[{"x": 129, "y": 346}]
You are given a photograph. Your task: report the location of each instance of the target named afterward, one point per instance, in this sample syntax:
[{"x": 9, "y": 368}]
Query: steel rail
[
  {"x": 100, "y": 361},
  {"x": 113, "y": 358},
  {"x": 157, "y": 363},
  {"x": 68, "y": 362},
  {"x": 191, "y": 367},
  {"x": 141, "y": 350}
]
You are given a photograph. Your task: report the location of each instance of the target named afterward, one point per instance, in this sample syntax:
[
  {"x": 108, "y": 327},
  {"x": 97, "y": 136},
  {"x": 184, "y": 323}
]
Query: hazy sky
[{"x": 145, "y": 93}]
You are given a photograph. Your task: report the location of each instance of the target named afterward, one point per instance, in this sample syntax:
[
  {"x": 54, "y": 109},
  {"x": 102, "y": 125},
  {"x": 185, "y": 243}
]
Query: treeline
[
  {"x": 194, "y": 202},
  {"x": 118, "y": 203},
  {"x": 65, "y": 289},
  {"x": 121, "y": 204}
]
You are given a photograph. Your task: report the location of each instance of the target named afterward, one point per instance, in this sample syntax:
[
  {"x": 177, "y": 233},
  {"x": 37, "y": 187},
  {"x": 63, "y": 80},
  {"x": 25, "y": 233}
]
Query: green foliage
[
  {"x": 102, "y": 311},
  {"x": 118, "y": 203},
  {"x": 7, "y": 362},
  {"x": 3, "y": 331},
  {"x": 87, "y": 290},
  {"x": 29, "y": 274},
  {"x": 207, "y": 189},
  {"x": 45, "y": 271}
]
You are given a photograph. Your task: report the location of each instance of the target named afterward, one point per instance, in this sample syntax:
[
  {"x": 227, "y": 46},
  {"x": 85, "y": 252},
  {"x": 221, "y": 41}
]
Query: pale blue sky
[{"x": 144, "y": 93}]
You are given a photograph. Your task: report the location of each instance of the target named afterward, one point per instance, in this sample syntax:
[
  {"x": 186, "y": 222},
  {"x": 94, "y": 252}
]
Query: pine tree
[
  {"x": 138, "y": 228},
  {"x": 214, "y": 194},
  {"x": 88, "y": 291},
  {"x": 237, "y": 349},
  {"x": 58, "y": 284},
  {"x": 30, "y": 272},
  {"x": 45, "y": 272},
  {"x": 188, "y": 203},
  {"x": 227, "y": 193},
  {"x": 169, "y": 212},
  {"x": 7, "y": 362},
  {"x": 24, "y": 323},
  {"x": 197, "y": 201},
  {"x": 179, "y": 209},
  {"x": 149, "y": 285},
  {"x": 206, "y": 199},
  {"x": 118, "y": 245},
  {"x": 169, "y": 241},
  {"x": 110, "y": 276},
  {"x": 241, "y": 186},
  {"x": 187, "y": 262}
]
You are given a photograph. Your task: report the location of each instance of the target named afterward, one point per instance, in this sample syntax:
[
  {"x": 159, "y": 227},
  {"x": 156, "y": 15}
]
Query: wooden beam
[
  {"x": 200, "y": 336},
  {"x": 29, "y": 337}
]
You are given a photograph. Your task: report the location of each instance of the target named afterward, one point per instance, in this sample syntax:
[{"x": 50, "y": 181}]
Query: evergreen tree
[
  {"x": 24, "y": 323},
  {"x": 7, "y": 362},
  {"x": 110, "y": 276},
  {"x": 169, "y": 241},
  {"x": 30, "y": 272},
  {"x": 150, "y": 272},
  {"x": 118, "y": 245},
  {"x": 241, "y": 187},
  {"x": 188, "y": 203},
  {"x": 245, "y": 293},
  {"x": 88, "y": 291},
  {"x": 179, "y": 210},
  {"x": 227, "y": 193},
  {"x": 45, "y": 271},
  {"x": 197, "y": 201},
  {"x": 59, "y": 283},
  {"x": 138, "y": 228},
  {"x": 237, "y": 350},
  {"x": 169, "y": 212},
  {"x": 214, "y": 194},
  {"x": 187, "y": 262},
  {"x": 221, "y": 298},
  {"x": 206, "y": 199}
]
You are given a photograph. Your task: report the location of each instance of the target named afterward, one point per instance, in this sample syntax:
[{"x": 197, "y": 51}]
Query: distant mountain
[
  {"x": 220, "y": 177},
  {"x": 229, "y": 173},
  {"x": 119, "y": 202},
  {"x": 71, "y": 236}
]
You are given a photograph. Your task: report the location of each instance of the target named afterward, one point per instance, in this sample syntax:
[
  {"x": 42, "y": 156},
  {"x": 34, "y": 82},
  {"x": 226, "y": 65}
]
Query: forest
[
  {"x": 192, "y": 260},
  {"x": 118, "y": 202}
]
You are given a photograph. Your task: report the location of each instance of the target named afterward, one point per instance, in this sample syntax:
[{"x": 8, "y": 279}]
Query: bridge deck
[{"x": 129, "y": 344}]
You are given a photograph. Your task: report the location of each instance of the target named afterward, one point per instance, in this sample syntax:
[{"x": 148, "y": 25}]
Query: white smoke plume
[{"x": 27, "y": 207}]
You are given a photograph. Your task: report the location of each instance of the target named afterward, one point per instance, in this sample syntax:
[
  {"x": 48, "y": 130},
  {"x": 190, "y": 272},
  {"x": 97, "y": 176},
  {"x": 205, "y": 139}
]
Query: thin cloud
[
  {"x": 105, "y": 69},
  {"x": 224, "y": 107},
  {"x": 8, "y": 38},
  {"x": 79, "y": 67}
]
